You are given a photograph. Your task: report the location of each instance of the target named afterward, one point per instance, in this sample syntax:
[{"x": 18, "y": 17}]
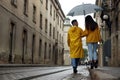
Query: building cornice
[{"x": 58, "y": 8}]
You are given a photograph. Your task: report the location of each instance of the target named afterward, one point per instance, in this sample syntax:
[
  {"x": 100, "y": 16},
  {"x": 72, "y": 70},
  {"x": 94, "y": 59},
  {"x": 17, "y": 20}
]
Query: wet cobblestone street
[{"x": 83, "y": 74}]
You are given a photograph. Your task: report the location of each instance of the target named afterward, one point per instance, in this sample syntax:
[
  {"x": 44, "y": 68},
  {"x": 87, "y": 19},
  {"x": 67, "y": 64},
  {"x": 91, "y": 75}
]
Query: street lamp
[{"x": 106, "y": 18}]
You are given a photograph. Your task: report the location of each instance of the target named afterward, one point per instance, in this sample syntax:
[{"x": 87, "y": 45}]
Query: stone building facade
[
  {"x": 115, "y": 32},
  {"x": 31, "y": 32},
  {"x": 111, "y": 31}
]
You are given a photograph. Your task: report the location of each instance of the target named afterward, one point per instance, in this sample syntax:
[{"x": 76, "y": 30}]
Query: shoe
[
  {"x": 74, "y": 70},
  {"x": 96, "y": 64},
  {"x": 92, "y": 65}
]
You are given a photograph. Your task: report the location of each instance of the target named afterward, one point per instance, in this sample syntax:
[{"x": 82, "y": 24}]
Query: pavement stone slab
[{"x": 105, "y": 73}]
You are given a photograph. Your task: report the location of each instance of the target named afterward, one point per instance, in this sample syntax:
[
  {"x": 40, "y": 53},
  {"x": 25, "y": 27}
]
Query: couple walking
[{"x": 75, "y": 34}]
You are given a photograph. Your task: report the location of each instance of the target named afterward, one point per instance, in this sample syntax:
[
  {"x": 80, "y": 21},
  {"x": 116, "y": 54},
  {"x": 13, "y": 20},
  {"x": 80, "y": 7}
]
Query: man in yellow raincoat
[{"x": 75, "y": 44}]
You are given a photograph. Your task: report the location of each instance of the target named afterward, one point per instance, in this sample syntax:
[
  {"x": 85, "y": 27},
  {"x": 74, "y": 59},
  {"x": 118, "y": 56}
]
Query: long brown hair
[{"x": 90, "y": 24}]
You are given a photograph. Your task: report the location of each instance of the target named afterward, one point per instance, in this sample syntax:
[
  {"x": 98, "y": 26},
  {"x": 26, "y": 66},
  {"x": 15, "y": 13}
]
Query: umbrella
[{"x": 84, "y": 9}]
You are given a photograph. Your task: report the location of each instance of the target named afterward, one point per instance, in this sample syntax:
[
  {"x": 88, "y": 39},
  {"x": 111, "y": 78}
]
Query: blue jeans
[
  {"x": 75, "y": 62},
  {"x": 92, "y": 47}
]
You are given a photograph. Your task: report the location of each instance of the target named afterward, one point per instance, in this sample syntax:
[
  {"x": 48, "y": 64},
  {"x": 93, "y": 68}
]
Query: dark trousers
[{"x": 75, "y": 62}]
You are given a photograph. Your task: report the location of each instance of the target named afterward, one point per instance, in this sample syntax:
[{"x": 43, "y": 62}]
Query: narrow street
[
  {"x": 83, "y": 74},
  {"x": 43, "y": 73}
]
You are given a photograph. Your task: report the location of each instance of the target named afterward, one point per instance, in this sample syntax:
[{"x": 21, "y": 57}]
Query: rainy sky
[{"x": 68, "y": 4}]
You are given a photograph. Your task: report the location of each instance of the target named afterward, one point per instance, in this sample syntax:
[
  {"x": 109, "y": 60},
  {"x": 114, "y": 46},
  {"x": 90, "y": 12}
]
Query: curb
[
  {"x": 25, "y": 65},
  {"x": 98, "y": 75}
]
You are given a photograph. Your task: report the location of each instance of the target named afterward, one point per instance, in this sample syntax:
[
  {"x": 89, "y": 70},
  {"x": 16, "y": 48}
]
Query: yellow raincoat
[
  {"x": 92, "y": 36},
  {"x": 75, "y": 42}
]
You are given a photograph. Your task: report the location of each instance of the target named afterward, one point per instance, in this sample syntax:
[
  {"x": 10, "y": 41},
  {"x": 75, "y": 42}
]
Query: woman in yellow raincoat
[
  {"x": 75, "y": 44},
  {"x": 92, "y": 33}
]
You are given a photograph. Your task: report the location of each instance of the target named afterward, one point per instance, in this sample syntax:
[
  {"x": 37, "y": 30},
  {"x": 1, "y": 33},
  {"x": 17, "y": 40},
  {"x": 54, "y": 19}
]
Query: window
[
  {"x": 11, "y": 41},
  {"x": 50, "y": 29},
  {"x": 116, "y": 22},
  {"x": 51, "y": 10},
  {"x": 57, "y": 35},
  {"x": 40, "y": 48},
  {"x": 45, "y": 51},
  {"x": 49, "y": 51},
  {"x": 57, "y": 19},
  {"x": 33, "y": 47},
  {"x": 24, "y": 45},
  {"x": 117, "y": 43},
  {"x": 41, "y": 21},
  {"x": 46, "y": 23},
  {"x": 54, "y": 16},
  {"x": 46, "y": 4},
  {"x": 14, "y": 3},
  {"x": 26, "y": 7},
  {"x": 34, "y": 13},
  {"x": 60, "y": 23},
  {"x": 53, "y": 53},
  {"x": 53, "y": 32}
]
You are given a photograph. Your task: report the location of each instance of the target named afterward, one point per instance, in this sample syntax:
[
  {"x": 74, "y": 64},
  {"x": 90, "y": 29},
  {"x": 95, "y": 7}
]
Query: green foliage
[{"x": 85, "y": 54}]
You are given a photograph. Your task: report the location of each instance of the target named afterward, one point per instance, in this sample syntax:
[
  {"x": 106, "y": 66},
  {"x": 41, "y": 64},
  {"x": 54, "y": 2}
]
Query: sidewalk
[
  {"x": 105, "y": 73},
  {"x": 26, "y": 72},
  {"x": 102, "y": 73}
]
